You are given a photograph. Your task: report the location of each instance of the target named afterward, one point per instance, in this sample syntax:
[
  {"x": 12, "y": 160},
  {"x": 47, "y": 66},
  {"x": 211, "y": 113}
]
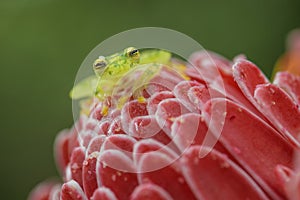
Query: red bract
[{"x": 227, "y": 133}]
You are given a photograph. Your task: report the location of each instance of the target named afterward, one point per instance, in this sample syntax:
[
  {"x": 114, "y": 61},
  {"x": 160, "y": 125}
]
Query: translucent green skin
[
  {"x": 102, "y": 83},
  {"x": 117, "y": 65}
]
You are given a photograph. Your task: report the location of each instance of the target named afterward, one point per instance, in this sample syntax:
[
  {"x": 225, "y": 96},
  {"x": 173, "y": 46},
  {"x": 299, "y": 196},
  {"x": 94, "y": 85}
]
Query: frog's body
[
  {"x": 114, "y": 66},
  {"x": 108, "y": 70}
]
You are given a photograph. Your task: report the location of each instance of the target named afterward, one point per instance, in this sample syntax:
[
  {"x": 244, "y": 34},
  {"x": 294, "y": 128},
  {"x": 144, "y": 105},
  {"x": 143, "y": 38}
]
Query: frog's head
[{"x": 116, "y": 63}]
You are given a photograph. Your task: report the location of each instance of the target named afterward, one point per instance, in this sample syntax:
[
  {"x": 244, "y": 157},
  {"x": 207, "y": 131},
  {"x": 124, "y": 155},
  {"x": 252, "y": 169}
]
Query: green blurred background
[{"x": 43, "y": 42}]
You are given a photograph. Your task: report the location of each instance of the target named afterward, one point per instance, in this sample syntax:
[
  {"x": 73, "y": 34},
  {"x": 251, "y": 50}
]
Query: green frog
[{"x": 110, "y": 69}]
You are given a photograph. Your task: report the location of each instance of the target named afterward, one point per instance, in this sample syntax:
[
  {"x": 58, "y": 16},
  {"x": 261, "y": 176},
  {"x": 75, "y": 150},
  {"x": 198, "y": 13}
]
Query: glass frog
[{"x": 108, "y": 70}]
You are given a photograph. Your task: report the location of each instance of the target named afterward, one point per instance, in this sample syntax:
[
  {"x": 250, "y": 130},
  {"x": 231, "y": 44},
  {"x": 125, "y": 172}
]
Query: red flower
[{"x": 160, "y": 148}]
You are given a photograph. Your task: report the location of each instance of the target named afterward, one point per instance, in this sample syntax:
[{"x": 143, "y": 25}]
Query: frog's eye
[
  {"x": 132, "y": 52},
  {"x": 99, "y": 64}
]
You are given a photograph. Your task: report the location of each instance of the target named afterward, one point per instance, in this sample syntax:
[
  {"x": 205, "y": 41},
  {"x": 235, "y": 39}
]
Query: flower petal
[
  {"x": 281, "y": 111},
  {"x": 116, "y": 171},
  {"x": 62, "y": 149},
  {"x": 248, "y": 76},
  {"x": 167, "y": 78},
  {"x": 207, "y": 66},
  {"x": 284, "y": 174},
  {"x": 149, "y": 145},
  {"x": 199, "y": 95},
  {"x": 104, "y": 193},
  {"x": 131, "y": 110},
  {"x": 150, "y": 192},
  {"x": 115, "y": 127},
  {"x": 216, "y": 177},
  {"x": 168, "y": 176},
  {"x": 181, "y": 93},
  {"x": 156, "y": 98},
  {"x": 55, "y": 192},
  {"x": 95, "y": 144},
  {"x": 167, "y": 111},
  {"x": 89, "y": 174},
  {"x": 191, "y": 129},
  {"x": 42, "y": 191},
  {"x": 290, "y": 83},
  {"x": 147, "y": 127},
  {"x": 72, "y": 191},
  {"x": 77, "y": 158},
  {"x": 290, "y": 180},
  {"x": 120, "y": 142},
  {"x": 103, "y": 127},
  {"x": 252, "y": 142}
]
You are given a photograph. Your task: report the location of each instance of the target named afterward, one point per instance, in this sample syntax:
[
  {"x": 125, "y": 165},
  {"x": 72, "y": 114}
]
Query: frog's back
[{"x": 117, "y": 68}]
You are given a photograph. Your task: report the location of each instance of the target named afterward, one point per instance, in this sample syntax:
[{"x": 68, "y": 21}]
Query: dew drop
[
  {"x": 272, "y": 91},
  {"x": 85, "y": 163},
  {"x": 224, "y": 165},
  {"x": 113, "y": 177},
  {"x": 236, "y": 150},
  {"x": 119, "y": 173},
  {"x": 196, "y": 160},
  {"x": 181, "y": 180}
]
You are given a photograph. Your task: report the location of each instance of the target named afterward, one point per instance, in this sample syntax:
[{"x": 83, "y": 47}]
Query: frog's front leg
[{"x": 104, "y": 88}]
